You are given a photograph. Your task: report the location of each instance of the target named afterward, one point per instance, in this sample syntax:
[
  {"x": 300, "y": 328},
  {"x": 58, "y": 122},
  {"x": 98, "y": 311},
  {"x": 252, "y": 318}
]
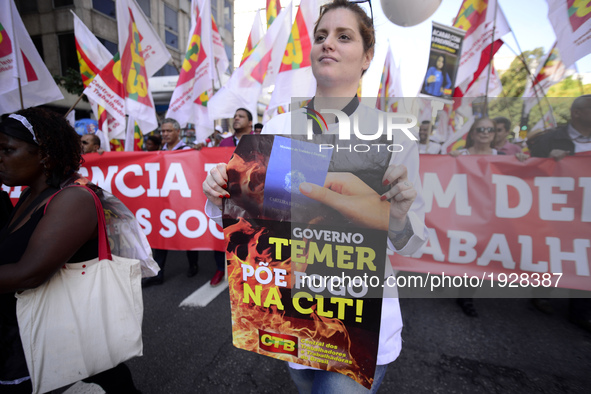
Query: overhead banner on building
[{"x": 446, "y": 47}]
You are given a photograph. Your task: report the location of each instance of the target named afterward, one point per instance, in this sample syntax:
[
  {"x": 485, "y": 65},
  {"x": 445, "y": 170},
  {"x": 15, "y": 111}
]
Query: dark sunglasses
[
  {"x": 364, "y": 1},
  {"x": 485, "y": 129}
]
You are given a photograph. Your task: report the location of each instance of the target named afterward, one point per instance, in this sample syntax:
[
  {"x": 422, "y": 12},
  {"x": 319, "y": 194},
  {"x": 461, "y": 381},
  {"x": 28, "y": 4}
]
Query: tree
[
  {"x": 72, "y": 82},
  {"x": 515, "y": 78}
]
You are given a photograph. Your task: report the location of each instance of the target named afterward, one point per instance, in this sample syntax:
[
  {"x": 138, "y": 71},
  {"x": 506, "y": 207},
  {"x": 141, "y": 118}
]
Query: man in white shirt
[
  {"x": 171, "y": 136},
  {"x": 425, "y": 144}
]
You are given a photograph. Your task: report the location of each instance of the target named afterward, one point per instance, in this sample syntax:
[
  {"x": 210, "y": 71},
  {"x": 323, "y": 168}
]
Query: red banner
[
  {"x": 163, "y": 190},
  {"x": 486, "y": 214},
  {"x": 493, "y": 214}
]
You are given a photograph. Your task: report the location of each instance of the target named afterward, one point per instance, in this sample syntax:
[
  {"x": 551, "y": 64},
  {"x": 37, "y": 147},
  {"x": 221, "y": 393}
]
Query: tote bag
[{"x": 84, "y": 320}]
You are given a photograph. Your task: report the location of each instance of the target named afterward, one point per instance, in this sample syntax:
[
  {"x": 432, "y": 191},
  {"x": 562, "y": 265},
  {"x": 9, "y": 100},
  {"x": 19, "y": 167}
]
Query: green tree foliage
[
  {"x": 559, "y": 96},
  {"x": 510, "y": 103},
  {"x": 72, "y": 82},
  {"x": 515, "y": 78}
]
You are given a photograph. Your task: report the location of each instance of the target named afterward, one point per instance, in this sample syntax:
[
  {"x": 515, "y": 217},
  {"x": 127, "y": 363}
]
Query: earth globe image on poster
[{"x": 293, "y": 179}]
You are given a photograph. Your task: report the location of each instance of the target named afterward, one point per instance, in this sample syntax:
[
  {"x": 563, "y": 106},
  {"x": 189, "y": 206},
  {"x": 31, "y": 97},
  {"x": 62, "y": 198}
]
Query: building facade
[{"x": 51, "y": 27}]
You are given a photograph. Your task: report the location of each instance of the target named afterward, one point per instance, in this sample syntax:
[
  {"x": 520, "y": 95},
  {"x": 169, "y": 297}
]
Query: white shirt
[
  {"x": 432, "y": 148},
  {"x": 582, "y": 143}
]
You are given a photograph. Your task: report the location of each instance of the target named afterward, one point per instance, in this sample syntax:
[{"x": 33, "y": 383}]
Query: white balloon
[{"x": 407, "y": 13}]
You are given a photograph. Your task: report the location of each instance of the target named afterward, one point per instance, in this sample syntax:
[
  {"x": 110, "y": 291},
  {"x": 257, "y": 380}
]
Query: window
[
  {"x": 228, "y": 15},
  {"x": 167, "y": 70},
  {"x": 214, "y": 10},
  {"x": 111, "y": 46},
  {"x": 68, "y": 56},
  {"x": 107, "y": 7},
  {"x": 38, "y": 42},
  {"x": 171, "y": 39},
  {"x": 230, "y": 54},
  {"x": 145, "y": 6},
  {"x": 171, "y": 25},
  {"x": 62, "y": 3},
  {"x": 26, "y": 7}
]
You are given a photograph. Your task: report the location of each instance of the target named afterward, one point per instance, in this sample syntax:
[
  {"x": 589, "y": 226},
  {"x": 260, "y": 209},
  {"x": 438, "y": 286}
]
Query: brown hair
[{"x": 368, "y": 34}]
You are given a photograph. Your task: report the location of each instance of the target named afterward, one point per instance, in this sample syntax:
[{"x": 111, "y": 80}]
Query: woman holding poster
[
  {"x": 342, "y": 50},
  {"x": 435, "y": 78}
]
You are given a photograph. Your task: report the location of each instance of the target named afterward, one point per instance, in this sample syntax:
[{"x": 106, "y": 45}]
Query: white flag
[
  {"x": 219, "y": 52},
  {"x": 195, "y": 80},
  {"x": 246, "y": 82},
  {"x": 571, "y": 21},
  {"x": 21, "y": 57},
  {"x": 477, "y": 18},
  {"x": 142, "y": 54},
  {"x": 10, "y": 66},
  {"x": 256, "y": 33},
  {"x": 295, "y": 78},
  {"x": 478, "y": 87},
  {"x": 390, "y": 90}
]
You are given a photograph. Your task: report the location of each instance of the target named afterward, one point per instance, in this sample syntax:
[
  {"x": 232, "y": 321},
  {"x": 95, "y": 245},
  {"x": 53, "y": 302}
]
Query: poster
[
  {"x": 446, "y": 44},
  {"x": 293, "y": 262}
]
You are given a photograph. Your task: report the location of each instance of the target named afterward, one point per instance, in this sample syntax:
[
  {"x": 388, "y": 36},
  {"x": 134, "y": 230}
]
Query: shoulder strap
[
  {"x": 42, "y": 196},
  {"x": 104, "y": 248}
]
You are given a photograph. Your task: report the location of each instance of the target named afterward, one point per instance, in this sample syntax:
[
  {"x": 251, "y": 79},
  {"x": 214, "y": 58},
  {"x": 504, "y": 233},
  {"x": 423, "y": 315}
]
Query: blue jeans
[{"x": 324, "y": 382}]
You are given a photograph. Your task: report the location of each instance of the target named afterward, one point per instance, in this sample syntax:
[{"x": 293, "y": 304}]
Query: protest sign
[
  {"x": 446, "y": 46},
  {"x": 292, "y": 262},
  {"x": 491, "y": 215}
]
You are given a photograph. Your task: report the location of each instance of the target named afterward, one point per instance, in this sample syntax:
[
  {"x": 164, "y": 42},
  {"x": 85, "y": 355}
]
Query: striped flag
[
  {"x": 219, "y": 51},
  {"x": 390, "y": 86},
  {"x": 134, "y": 138},
  {"x": 477, "y": 18},
  {"x": 256, "y": 33},
  {"x": 273, "y": 9},
  {"x": 295, "y": 78},
  {"x": 195, "y": 77},
  {"x": 142, "y": 54},
  {"x": 571, "y": 20},
  {"x": 106, "y": 90},
  {"x": 246, "y": 82},
  {"x": 92, "y": 57}
]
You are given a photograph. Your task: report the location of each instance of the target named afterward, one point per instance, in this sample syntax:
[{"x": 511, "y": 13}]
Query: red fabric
[
  {"x": 555, "y": 197},
  {"x": 555, "y": 215}
]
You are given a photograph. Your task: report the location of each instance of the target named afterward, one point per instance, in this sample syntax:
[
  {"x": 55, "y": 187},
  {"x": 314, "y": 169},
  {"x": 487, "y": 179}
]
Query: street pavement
[{"x": 510, "y": 348}]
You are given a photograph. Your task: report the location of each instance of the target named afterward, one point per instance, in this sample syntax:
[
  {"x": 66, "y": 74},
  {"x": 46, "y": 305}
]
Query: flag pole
[
  {"x": 18, "y": 78},
  {"x": 530, "y": 75},
  {"x": 492, "y": 48},
  {"x": 74, "y": 105},
  {"x": 579, "y": 79}
]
